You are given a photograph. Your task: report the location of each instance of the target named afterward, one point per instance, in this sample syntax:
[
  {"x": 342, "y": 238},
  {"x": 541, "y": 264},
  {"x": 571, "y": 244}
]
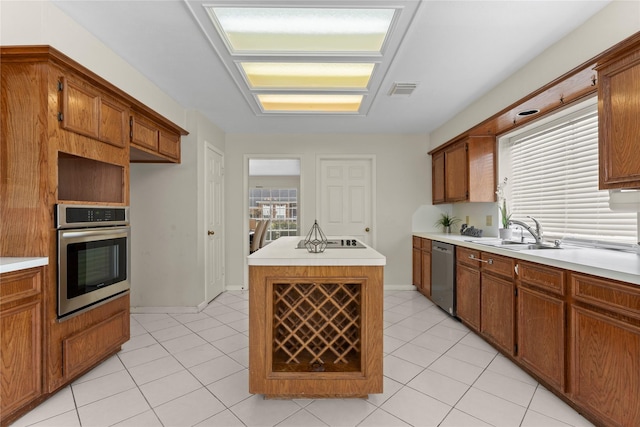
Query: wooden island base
[{"x": 315, "y": 331}]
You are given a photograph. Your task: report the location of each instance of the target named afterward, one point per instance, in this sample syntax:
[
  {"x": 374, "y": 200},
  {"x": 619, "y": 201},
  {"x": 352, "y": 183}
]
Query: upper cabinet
[
  {"x": 90, "y": 112},
  {"x": 152, "y": 142},
  {"x": 465, "y": 171},
  {"x": 619, "y": 113}
]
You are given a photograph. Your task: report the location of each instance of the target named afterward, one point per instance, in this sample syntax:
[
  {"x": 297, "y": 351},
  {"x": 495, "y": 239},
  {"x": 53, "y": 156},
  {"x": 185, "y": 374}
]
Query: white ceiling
[{"x": 456, "y": 51}]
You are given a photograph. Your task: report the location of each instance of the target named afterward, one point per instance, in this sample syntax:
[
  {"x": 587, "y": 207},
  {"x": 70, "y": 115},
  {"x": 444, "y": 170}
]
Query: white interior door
[
  {"x": 346, "y": 198},
  {"x": 214, "y": 212}
]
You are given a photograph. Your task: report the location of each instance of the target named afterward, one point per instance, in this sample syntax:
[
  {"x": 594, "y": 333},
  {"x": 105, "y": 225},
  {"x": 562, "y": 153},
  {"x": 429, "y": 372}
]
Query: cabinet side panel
[{"x": 23, "y": 165}]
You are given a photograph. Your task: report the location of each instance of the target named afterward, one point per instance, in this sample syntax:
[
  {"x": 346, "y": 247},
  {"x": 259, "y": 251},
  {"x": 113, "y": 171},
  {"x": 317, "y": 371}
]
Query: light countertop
[
  {"x": 610, "y": 264},
  {"x": 283, "y": 251},
  {"x": 9, "y": 264}
]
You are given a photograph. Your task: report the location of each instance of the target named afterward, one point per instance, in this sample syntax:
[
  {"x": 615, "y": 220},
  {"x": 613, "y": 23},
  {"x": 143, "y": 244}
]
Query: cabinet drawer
[
  {"x": 548, "y": 278},
  {"x": 607, "y": 294},
  {"x": 20, "y": 284},
  {"x": 499, "y": 265},
  {"x": 84, "y": 349},
  {"x": 426, "y": 245},
  {"x": 468, "y": 257},
  {"x": 417, "y": 242}
]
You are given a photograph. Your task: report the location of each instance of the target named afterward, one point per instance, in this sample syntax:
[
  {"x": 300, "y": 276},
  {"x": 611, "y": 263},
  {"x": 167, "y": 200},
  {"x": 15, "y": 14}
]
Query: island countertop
[{"x": 283, "y": 251}]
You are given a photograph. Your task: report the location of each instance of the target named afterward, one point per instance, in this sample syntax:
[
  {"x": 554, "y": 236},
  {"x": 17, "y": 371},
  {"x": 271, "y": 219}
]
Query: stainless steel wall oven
[{"x": 94, "y": 256}]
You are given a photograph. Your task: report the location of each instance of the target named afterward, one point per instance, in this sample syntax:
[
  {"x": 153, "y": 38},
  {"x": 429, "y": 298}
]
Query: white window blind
[{"x": 555, "y": 179}]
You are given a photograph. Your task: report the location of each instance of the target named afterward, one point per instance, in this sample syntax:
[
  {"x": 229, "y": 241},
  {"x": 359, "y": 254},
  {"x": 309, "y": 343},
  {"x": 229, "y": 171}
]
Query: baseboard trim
[
  {"x": 203, "y": 304},
  {"x": 168, "y": 310}
]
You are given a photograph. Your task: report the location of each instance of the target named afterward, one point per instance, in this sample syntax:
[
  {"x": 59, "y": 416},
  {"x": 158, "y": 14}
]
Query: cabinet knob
[
  {"x": 366, "y": 229},
  {"x": 211, "y": 233}
]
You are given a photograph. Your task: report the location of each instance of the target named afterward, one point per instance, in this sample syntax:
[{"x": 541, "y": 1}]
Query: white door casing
[
  {"x": 214, "y": 202},
  {"x": 346, "y": 197}
]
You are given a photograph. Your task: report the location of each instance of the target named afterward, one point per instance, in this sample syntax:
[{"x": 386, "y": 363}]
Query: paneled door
[
  {"x": 215, "y": 220},
  {"x": 346, "y": 197}
]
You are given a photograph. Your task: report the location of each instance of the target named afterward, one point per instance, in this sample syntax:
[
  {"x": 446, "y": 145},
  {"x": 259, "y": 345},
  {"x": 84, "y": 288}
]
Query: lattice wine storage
[{"x": 317, "y": 327}]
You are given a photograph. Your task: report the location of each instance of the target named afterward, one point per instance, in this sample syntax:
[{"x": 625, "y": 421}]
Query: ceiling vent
[{"x": 402, "y": 89}]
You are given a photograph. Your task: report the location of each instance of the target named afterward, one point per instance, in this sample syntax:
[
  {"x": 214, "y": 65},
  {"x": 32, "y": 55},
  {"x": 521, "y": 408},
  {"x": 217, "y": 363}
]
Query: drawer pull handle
[{"x": 489, "y": 261}]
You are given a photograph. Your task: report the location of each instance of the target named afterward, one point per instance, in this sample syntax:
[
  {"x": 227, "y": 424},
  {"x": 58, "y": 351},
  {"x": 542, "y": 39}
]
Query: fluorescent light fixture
[
  {"x": 310, "y": 103},
  {"x": 308, "y": 75},
  {"x": 288, "y": 30}
]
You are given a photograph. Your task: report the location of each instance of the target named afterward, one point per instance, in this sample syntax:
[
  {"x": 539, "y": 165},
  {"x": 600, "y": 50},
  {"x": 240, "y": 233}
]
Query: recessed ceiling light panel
[
  {"x": 302, "y": 30},
  {"x": 308, "y": 75},
  {"x": 310, "y": 103}
]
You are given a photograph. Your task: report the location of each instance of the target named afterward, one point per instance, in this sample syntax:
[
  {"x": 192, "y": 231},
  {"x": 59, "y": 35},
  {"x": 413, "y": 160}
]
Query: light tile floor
[{"x": 191, "y": 370}]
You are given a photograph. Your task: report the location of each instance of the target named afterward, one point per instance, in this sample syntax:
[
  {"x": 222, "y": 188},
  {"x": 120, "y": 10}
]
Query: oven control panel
[{"x": 74, "y": 216}]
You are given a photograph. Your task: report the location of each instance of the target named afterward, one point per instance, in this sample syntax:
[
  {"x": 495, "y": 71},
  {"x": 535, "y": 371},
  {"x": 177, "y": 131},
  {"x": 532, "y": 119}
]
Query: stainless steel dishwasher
[{"x": 443, "y": 276}]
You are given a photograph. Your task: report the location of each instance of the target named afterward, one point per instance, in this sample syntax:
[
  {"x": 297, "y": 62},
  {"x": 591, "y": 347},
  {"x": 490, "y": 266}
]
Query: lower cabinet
[
  {"x": 540, "y": 323},
  {"x": 577, "y": 334},
  {"x": 20, "y": 339},
  {"x": 498, "y": 301},
  {"x": 422, "y": 265},
  {"x": 497, "y": 304},
  {"x": 468, "y": 287},
  {"x": 605, "y": 347}
]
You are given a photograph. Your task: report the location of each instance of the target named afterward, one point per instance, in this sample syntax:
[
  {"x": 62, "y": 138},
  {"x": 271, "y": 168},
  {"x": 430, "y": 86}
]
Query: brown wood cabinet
[
  {"x": 151, "y": 141},
  {"x": 497, "y": 312},
  {"x": 422, "y": 265},
  {"x": 468, "y": 287},
  {"x": 437, "y": 178},
  {"x": 618, "y": 112},
  {"x": 64, "y": 138},
  {"x": 541, "y": 319},
  {"x": 289, "y": 355},
  {"x": 90, "y": 112},
  {"x": 20, "y": 339},
  {"x": 605, "y": 344},
  {"x": 464, "y": 171}
]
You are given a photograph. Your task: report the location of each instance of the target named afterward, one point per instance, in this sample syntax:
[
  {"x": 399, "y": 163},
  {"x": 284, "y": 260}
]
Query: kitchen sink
[{"x": 515, "y": 246}]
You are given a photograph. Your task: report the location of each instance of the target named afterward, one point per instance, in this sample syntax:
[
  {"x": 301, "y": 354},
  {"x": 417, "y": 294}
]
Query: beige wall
[
  {"x": 402, "y": 182},
  {"x": 617, "y": 21}
]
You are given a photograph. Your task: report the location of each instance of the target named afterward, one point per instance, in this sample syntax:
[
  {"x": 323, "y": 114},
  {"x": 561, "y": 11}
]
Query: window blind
[{"x": 555, "y": 179}]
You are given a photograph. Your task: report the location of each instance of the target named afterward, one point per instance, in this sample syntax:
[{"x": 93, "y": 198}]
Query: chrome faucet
[{"x": 537, "y": 233}]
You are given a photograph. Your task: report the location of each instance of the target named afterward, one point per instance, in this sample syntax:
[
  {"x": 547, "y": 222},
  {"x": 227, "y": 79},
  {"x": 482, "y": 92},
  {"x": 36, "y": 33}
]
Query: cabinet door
[
  {"x": 468, "y": 295},
  {"x": 426, "y": 274},
  {"x": 113, "y": 122},
  {"x": 605, "y": 369},
  {"x": 417, "y": 268},
  {"x": 482, "y": 175},
  {"x": 169, "y": 144},
  {"x": 541, "y": 336},
  {"x": 618, "y": 111},
  {"x": 455, "y": 169},
  {"x": 437, "y": 179},
  {"x": 144, "y": 133},
  {"x": 497, "y": 311},
  {"x": 89, "y": 112},
  {"x": 80, "y": 108},
  {"x": 20, "y": 339}
]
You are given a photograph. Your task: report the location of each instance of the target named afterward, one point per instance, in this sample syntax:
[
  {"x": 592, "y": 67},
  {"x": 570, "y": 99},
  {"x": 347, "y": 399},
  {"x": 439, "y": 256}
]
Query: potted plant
[
  {"x": 505, "y": 216},
  {"x": 446, "y": 221}
]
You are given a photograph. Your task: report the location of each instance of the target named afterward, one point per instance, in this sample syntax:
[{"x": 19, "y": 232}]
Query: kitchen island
[{"x": 315, "y": 321}]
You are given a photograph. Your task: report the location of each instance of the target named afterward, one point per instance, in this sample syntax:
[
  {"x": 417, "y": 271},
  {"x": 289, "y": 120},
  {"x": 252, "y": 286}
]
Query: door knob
[
  {"x": 211, "y": 233},
  {"x": 366, "y": 229}
]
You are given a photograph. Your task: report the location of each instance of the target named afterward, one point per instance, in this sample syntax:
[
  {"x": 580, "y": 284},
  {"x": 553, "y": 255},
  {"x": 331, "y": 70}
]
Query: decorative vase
[
  {"x": 447, "y": 229},
  {"x": 505, "y": 233}
]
